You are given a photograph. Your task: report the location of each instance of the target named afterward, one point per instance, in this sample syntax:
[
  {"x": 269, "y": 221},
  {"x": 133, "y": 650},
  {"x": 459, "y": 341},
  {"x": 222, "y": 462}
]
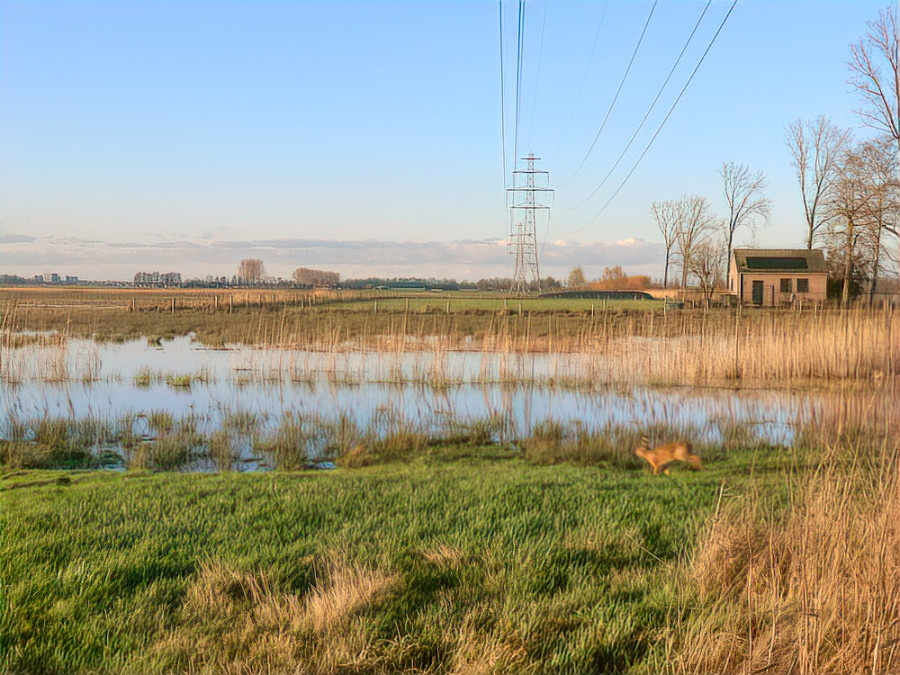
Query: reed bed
[
  {"x": 811, "y": 589},
  {"x": 617, "y": 346},
  {"x": 775, "y": 350}
]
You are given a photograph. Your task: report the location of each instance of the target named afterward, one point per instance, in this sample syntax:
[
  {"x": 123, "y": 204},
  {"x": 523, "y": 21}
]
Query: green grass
[
  {"x": 457, "y": 559},
  {"x": 437, "y": 303}
]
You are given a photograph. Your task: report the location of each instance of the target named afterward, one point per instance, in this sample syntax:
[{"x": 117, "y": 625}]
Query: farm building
[{"x": 769, "y": 277}]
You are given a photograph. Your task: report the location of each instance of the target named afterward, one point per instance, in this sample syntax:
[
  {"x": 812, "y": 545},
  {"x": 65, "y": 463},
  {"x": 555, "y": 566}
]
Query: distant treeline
[
  {"x": 407, "y": 283},
  {"x": 302, "y": 278}
]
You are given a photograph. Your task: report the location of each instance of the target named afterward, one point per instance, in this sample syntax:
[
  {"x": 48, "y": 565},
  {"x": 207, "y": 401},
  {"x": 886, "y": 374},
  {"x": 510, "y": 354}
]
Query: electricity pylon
[{"x": 524, "y": 203}]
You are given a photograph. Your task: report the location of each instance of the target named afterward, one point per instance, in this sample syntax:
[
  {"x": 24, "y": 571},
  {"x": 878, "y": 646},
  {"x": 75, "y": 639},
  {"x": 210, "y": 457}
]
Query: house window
[
  {"x": 787, "y": 286},
  {"x": 803, "y": 285}
]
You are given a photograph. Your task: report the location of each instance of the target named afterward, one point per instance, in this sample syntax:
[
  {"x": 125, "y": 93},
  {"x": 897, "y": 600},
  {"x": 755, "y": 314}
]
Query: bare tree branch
[
  {"x": 668, "y": 215},
  {"x": 815, "y": 147},
  {"x": 744, "y": 195},
  {"x": 865, "y": 204},
  {"x": 880, "y": 94},
  {"x": 696, "y": 223}
]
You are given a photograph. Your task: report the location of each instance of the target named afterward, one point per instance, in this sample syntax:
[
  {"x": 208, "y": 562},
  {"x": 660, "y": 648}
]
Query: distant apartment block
[
  {"x": 54, "y": 278},
  {"x": 157, "y": 280}
]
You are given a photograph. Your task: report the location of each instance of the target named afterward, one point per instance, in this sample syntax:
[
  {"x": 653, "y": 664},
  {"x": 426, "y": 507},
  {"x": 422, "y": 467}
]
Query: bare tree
[
  {"x": 815, "y": 146},
  {"x": 696, "y": 224},
  {"x": 880, "y": 93},
  {"x": 847, "y": 230},
  {"x": 706, "y": 265},
  {"x": 251, "y": 271},
  {"x": 668, "y": 218},
  {"x": 883, "y": 200},
  {"x": 746, "y": 203}
]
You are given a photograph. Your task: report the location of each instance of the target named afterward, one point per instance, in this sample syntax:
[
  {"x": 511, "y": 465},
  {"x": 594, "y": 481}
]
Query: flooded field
[{"x": 142, "y": 392}]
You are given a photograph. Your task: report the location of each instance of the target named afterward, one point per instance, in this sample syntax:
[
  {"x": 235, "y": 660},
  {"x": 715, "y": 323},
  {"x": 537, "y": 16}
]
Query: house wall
[{"x": 772, "y": 294}]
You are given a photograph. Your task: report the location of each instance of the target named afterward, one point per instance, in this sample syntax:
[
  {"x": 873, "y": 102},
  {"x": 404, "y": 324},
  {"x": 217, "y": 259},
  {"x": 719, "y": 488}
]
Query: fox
[{"x": 661, "y": 456}]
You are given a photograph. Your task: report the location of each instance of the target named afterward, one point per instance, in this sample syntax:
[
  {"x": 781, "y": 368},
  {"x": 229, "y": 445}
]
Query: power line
[
  {"x": 502, "y": 98},
  {"x": 520, "y": 55},
  {"x": 587, "y": 69},
  {"x": 616, "y": 97},
  {"x": 665, "y": 119},
  {"x": 649, "y": 110},
  {"x": 537, "y": 77}
]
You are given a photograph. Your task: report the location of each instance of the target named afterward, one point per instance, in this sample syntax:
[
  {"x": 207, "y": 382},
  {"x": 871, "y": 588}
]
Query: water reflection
[{"x": 426, "y": 389}]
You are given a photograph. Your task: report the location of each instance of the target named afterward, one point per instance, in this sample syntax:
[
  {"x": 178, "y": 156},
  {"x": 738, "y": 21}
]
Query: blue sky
[{"x": 187, "y": 135}]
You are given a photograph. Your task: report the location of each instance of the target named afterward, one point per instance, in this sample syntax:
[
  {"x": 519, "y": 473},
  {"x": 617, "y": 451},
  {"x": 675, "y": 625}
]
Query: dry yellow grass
[
  {"x": 253, "y": 627},
  {"x": 813, "y": 594}
]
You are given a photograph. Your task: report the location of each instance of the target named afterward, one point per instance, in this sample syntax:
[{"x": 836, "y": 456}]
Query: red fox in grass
[{"x": 660, "y": 457}]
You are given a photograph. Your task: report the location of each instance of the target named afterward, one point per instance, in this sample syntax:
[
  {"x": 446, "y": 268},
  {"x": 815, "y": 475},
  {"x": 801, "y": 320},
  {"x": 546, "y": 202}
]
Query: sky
[{"x": 370, "y": 138}]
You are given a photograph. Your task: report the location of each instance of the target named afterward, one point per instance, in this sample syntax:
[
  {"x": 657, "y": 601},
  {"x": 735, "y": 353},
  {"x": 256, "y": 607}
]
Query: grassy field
[
  {"x": 462, "y": 561},
  {"x": 457, "y": 561}
]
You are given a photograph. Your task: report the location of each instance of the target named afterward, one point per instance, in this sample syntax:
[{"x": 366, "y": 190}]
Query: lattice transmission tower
[{"x": 525, "y": 202}]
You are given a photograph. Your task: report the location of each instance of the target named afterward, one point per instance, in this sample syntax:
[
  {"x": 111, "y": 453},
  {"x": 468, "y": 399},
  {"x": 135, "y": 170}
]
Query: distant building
[
  {"x": 157, "y": 280},
  {"x": 769, "y": 277},
  {"x": 51, "y": 278}
]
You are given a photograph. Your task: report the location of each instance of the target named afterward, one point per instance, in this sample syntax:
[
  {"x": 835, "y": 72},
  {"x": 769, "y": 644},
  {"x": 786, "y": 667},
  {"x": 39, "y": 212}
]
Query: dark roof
[{"x": 779, "y": 260}]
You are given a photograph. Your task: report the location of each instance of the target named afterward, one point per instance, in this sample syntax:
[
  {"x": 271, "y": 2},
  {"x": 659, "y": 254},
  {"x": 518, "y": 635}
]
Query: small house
[{"x": 770, "y": 277}]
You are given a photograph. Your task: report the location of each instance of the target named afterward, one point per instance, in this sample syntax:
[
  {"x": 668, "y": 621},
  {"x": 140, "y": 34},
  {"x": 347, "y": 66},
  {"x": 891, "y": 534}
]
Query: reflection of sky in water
[{"x": 359, "y": 385}]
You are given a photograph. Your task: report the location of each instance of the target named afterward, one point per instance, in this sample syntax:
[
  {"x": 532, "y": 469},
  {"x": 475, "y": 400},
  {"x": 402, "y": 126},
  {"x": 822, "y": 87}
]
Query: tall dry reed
[{"x": 813, "y": 588}]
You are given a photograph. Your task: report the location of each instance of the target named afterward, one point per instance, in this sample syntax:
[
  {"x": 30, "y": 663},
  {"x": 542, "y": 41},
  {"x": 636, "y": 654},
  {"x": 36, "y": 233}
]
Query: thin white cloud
[{"x": 14, "y": 238}]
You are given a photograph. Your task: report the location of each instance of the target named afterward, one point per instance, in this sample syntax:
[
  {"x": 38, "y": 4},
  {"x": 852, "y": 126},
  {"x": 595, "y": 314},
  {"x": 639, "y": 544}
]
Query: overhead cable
[
  {"x": 665, "y": 119},
  {"x": 520, "y": 54},
  {"x": 502, "y": 98},
  {"x": 587, "y": 69},
  {"x": 537, "y": 77},
  {"x": 616, "y": 96},
  {"x": 649, "y": 110}
]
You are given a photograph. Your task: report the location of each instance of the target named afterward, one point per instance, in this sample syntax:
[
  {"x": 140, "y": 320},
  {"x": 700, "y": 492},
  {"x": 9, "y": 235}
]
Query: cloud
[
  {"x": 462, "y": 259},
  {"x": 14, "y": 238}
]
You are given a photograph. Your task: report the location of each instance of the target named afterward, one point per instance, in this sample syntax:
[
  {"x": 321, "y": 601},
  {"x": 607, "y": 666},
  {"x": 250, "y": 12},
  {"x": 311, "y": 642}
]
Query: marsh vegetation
[{"x": 333, "y": 489}]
